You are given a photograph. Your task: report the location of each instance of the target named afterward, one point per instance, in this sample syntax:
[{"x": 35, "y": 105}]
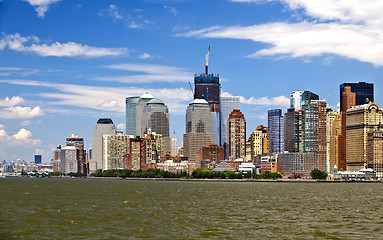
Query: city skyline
[{"x": 65, "y": 64}]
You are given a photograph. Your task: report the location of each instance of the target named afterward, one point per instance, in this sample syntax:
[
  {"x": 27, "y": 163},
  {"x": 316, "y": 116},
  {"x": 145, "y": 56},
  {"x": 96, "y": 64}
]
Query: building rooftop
[
  {"x": 156, "y": 101},
  {"x": 104, "y": 121},
  {"x": 146, "y": 95},
  {"x": 198, "y": 101}
]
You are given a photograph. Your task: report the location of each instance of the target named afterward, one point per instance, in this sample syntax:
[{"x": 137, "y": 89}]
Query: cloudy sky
[{"x": 64, "y": 64}]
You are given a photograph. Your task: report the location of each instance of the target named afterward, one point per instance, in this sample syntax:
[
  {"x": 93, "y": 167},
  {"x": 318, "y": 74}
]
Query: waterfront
[{"x": 119, "y": 209}]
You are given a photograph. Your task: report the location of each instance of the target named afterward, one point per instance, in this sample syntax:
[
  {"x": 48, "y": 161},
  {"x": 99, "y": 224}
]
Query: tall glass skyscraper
[
  {"x": 131, "y": 106},
  {"x": 228, "y": 104},
  {"x": 364, "y": 91},
  {"x": 295, "y": 100},
  {"x": 275, "y": 131}
]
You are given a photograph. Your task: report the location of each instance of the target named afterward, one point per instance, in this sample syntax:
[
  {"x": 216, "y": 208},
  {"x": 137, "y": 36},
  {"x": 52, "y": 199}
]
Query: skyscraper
[
  {"x": 258, "y": 141},
  {"x": 236, "y": 133},
  {"x": 131, "y": 111},
  {"x": 275, "y": 131},
  {"x": 207, "y": 86},
  {"x": 228, "y": 104},
  {"x": 294, "y": 131},
  {"x": 364, "y": 137},
  {"x": 307, "y": 96},
  {"x": 295, "y": 100},
  {"x": 78, "y": 142},
  {"x": 155, "y": 116},
  {"x": 37, "y": 158},
  {"x": 198, "y": 128},
  {"x": 104, "y": 126},
  {"x": 364, "y": 92},
  {"x": 115, "y": 146}
]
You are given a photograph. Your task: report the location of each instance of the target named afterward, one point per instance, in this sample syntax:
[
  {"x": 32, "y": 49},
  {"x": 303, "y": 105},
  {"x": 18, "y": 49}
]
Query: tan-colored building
[
  {"x": 364, "y": 127},
  {"x": 236, "y": 135},
  {"x": 116, "y": 146},
  {"x": 333, "y": 133},
  {"x": 258, "y": 139},
  {"x": 153, "y": 148},
  {"x": 375, "y": 151}
]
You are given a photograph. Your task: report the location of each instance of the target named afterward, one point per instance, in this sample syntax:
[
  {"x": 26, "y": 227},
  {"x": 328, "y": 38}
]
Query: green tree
[{"x": 318, "y": 174}]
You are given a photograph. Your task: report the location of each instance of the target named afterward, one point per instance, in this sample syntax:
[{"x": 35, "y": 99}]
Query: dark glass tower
[{"x": 364, "y": 92}]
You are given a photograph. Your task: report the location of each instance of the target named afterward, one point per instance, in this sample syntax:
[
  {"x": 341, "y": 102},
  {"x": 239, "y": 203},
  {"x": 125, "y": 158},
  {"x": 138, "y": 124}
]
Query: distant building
[
  {"x": 37, "y": 158},
  {"x": 227, "y": 105},
  {"x": 364, "y": 137},
  {"x": 299, "y": 162},
  {"x": 104, "y": 126},
  {"x": 131, "y": 112},
  {"x": 210, "y": 155},
  {"x": 198, "y": 128},
  {"x": 258, "y": 141},
  {"x": 275, "y": 131},
  {"x": 153, "y": 148},
  {"x": 333, "y": 133},
  {"x": 136, "y": 159},
  {"x": 174, "y": 146},
  {"x": 69, "y": 159},
  {"x": 78, "y": 142},
  {"x": 364, "y": 92},
  {"x": 236, "y": 132},
  {"x": 295, "y": 100},
  {"x": 294, "y": 131},
  {"x": 115, "y": 147},
  {"x": 307, "y": 97},
  {"x": 56, "y": 159}
]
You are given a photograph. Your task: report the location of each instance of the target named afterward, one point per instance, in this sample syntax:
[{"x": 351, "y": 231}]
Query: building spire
[{"x": 207, "y": 61}]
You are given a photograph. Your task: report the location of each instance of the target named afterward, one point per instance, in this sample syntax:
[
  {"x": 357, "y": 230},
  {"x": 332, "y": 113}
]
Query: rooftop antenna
[{"x": 207, "y": 61}]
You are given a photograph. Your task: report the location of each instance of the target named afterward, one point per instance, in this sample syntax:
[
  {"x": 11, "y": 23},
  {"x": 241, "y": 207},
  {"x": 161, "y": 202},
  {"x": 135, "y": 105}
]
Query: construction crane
[
  {"x": 326, "y": 97},
  {"x": 191, "y": 88},
  {"x": 207, "y": 61}
]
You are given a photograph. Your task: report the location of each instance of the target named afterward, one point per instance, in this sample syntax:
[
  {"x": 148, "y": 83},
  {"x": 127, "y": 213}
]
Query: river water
[{"x": 135, "y": 209}]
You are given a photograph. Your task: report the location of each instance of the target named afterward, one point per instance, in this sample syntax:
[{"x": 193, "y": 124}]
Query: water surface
[{"x": 130, "y": 209}]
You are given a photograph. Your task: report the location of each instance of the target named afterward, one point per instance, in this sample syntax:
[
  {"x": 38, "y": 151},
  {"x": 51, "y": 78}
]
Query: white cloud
[
  {"x": 281, "y": 101},
  {"x": 8, "y": 102},
  {"x": 1, "y": 126},
  {"x": 70, "y": 49},
  {"x": 173, "y": 10},
  {"x": 41, "y": 6},
  {"x": 101, "y": 98},
  {"x": 22, "y": 138},
  {"x": 17, "y": 112},
  {"x": 351, "y": 29},
  {"x": 145, "y": 56},
  {"x": 26, "y": 123},
  {"x": 152, "y": 73},
  {"x": 121, "y": 126},
  {"x": 112, "y": 12}
]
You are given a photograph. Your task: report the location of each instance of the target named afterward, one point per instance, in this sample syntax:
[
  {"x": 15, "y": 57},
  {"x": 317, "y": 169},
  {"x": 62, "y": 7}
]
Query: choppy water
[{"x": 119, "y": 209}]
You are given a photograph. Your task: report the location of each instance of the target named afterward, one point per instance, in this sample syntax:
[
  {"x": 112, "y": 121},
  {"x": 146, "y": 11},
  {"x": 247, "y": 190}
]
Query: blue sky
[{"x": 64, "y": 64}]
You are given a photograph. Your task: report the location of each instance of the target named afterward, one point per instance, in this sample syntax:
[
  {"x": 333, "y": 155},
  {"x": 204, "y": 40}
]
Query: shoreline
[{"x": 210, "y": 180}]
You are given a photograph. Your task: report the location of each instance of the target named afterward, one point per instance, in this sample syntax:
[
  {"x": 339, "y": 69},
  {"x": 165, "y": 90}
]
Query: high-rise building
[
  {"x": 209, "y": 156},
  {"x": 295, "y": 100},
  {"x": 104, "y": 126},
  {"x": 236, "y": 133},
  {"x": 275, "y": 131},
  {"x": 259, "y": 140},
  {"x": 364, "y": 129},
  {"x": 115, "y": 146},
  {"x": 333, "y": 133},
  {"x": 69, "y": 159},
  {"x": 78, "y": 142},
  {"x": 227, "y": 105},
  {"x": 155, "y": 118},
  {"x": 136, "y": 159},
  {"x": 315, "y": 130},
  {"x": 294, "y": 131},
  {"x": 207, "y": 86},
  {"x": 131, "y": 111},
  {"x": 348, "y": 100},
  {"x": 153, "y": 148},
  {"x": 38, "y": 158},
  {"x": 307, "y": 97},
  {"x": 174, "y": 146},
  {"x": 198, "y": 128},
  {"x": 364, "y": 92}
]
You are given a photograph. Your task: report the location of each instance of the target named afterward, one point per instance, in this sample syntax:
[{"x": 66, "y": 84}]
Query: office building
[
  {"x": 307, "y": 97},
  {"x": 198, "y": 128},
  {"x": 295, "y": 100},
  {"x": 155, "y": 118},
  {"x": 136, "y": 159},
  {"x": 364, "y": 131},
  {"x": 78, "y": 142},
  {"x": 227, "y": 105},
  {"x": 275, "y": 131},
  {"x": 104, "y": 126},
  {"x": 153, "y": 148},
  {"x": 364, "y": 92},
  {"x": 115, "y": 147},
  {"x": 236, "y": 133},
  {"x": 294, "y": 131},
  {"x": 131, "y": 111},
  {"x": 38, "y": 158},
  {"x": 333, "y": 133},
  {"x": 209, "y": 156},
  {"x": 69, "y": 159},
  {"x": 258, "y": 141}
]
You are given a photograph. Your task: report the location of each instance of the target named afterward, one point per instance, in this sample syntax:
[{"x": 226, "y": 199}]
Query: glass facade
[
  {"x": 131, "y": 105},
  {"x": 276, "y": 131},
  {"x": 228, "y": 104},
  {"x": 362, "y": 90}
]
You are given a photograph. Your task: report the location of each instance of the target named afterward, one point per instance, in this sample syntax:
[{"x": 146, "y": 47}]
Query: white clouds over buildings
[
  {"x": 22, "y": 138},
  {"x": 11, "y": 111},
  {"x": 351, "y": 29},
  {"x": 32, "y": 44}
]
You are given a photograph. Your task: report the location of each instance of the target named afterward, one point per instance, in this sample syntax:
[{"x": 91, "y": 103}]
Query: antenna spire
[{"x": 207, "y": 61}]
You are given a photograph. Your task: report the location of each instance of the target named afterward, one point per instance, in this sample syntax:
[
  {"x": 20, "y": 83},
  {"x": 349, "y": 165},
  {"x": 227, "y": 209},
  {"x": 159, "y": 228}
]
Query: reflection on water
[{"x": 118, "y": 209}]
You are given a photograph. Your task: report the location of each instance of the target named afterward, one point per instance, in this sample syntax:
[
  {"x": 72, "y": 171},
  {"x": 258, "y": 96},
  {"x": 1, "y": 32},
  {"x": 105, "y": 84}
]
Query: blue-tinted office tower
[
  {"x": 228, "y": 104},
  {"x": 37, "y": 158},
  {"x": 131, "y": 107},
  {"x": 364, "y": 92},
  {"x": 276, "y": 131},
  {"x": 207, "y": 86}
]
